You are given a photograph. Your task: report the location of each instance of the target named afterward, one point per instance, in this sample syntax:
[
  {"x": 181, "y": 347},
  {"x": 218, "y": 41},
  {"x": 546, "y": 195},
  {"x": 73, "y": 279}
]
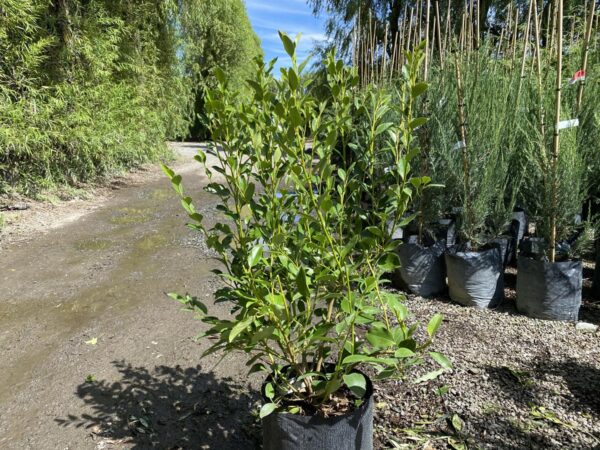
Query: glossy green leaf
[
  {"x": 434, "y": 324},
  {"x": 288, "y": 44},
  {"x": 441, "y": 360},
  {"x": 266, "y": 409},
  {"x": 357, "y": 383},
  {"x": 255, "y": 255}
]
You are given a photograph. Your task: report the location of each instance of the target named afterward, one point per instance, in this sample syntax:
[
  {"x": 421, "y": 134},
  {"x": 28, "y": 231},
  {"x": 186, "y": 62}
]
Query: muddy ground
[{"x": 95, "y": 356}]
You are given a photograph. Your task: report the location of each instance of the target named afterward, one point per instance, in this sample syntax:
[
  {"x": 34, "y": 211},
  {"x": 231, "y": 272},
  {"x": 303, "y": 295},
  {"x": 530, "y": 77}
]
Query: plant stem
[{"x": 556, "y": 140}]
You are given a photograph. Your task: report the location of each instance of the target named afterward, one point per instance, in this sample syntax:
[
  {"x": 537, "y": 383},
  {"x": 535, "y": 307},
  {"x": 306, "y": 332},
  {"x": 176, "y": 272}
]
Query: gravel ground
[{"x": 517, "y": 383}]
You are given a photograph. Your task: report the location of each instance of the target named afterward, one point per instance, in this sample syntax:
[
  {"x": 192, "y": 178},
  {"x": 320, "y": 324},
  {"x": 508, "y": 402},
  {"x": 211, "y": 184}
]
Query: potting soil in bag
[
  {"x": 548, "y": 290},
  {"x": 422, "y": 269},
  {"x": 475, "y": 278}
]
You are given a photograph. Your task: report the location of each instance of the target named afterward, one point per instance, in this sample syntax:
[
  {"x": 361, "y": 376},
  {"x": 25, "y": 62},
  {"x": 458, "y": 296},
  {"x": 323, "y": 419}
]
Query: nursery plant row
[{"x": 317, "y": 177}]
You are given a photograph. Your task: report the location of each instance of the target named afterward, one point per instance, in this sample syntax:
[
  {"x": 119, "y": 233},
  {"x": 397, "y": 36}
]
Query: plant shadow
[
  {"x": 526, "y": 388},
  {"x": 168, "y": 408}
]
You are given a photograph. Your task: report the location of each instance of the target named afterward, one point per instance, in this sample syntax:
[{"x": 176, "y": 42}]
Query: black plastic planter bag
[
  {"x": 352, "y": 431},
  {"x": 519, "y": 225},
  {"x": 447, "y": 231},
  {"x": 506, "y": 246},
  {"x": 549, "y": 290},
  {"x": 422, "y": 269},
  {"x": 475, "y": 278}
]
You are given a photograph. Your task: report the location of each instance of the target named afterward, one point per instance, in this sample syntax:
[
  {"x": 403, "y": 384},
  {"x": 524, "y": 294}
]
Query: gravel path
[{"x": 517, "y": 383}]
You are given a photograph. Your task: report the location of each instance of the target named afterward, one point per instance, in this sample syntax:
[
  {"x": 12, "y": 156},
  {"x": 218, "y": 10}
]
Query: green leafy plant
[
  {"x": 484, "y": 176},
  {"x": 305, "y": 242}
]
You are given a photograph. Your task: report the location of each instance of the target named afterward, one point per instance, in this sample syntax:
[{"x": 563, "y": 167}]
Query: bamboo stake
[
  {"x": 499, "y": 49},
  {"x": 447, "y": 36},
  {"x": 471, "y": 23},
  {"x": 586, "y": 48},
  {"x": 477, "y": 23},
  {"x": 371, "y": 47},
  {"x": 463, "y": 138},
  {"x": 384, "y": 56},
  {"x": 417, "y": 34},
  {"x": 539, "y": 72},
  {"x": 428, "y": 6},
  {"x": 514, "y": 38},
  {"x": 556, "y": 140},
  {"x": 419, "y": 18},
  {"x": 524, "y": 52},
  {"x": 548, "y": 20},
  {"x": 509, "y": 21},
  {"x": 439, "y": 33},
  {"x": 462, "y": 34},
  {"x": 394, "y": 56},
  {"x": 401, "y": 41},
  {"x": 552, "y": 29},
  {"x": 433, "y": 32},
  {"x": 410, "y": 28}
]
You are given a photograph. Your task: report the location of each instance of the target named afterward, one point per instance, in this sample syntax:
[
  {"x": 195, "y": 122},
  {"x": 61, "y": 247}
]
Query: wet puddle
[
  {"x": 125, "y": 216},
  {"x": 94, "y": 244}
]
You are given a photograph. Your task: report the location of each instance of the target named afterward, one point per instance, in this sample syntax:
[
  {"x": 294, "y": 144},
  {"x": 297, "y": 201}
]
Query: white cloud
[{"x": 299, "y": 9}]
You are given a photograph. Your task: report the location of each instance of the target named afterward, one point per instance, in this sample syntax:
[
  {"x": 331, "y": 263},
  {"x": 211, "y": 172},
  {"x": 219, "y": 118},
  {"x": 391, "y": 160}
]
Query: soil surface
[{"x": 95, "y": 356}]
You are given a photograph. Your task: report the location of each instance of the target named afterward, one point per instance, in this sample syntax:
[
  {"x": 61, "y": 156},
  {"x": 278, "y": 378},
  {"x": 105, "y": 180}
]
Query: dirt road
[{"x": 93, "y": 354}]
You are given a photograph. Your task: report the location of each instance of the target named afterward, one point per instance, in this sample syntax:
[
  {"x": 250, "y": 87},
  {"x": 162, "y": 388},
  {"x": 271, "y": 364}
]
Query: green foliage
[
  {"x": 483, "y": 179},
  {"x": 88, "y": 88},
  {"x": 305, "y": 244},
  {"x": 217, "y": 34}
]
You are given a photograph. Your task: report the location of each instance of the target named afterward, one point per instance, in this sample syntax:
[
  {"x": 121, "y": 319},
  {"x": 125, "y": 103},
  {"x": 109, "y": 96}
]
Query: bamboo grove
[{"x": 90, "y": 87}]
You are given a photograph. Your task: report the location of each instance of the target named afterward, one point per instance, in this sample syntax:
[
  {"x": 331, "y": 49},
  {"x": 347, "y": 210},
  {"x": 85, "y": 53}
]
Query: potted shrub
[
  {"x": 549, "y": 285},
  {"x": 301, "y": 259},
  {"x": 422, "y": 269},
  {"x": 480, "y": 173}
]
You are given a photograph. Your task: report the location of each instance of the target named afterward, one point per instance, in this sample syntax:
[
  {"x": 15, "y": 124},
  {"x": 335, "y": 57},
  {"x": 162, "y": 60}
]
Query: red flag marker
[{"x": 579, "y": 76}]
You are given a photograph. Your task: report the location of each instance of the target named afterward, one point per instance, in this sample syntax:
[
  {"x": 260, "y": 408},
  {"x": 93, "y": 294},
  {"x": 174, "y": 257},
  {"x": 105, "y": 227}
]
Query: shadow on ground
[
  {"x": 581, "y": 383},
  {"x": 168, "y": 408}
]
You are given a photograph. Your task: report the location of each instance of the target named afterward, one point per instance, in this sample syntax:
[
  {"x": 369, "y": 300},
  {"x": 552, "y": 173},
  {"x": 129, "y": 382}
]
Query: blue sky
[{"x": 291, "y": 16}]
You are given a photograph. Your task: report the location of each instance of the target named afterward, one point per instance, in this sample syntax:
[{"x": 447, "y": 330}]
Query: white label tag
[
  {"x": 568, "y": 124},
  {"x": 459, "y": 145}
]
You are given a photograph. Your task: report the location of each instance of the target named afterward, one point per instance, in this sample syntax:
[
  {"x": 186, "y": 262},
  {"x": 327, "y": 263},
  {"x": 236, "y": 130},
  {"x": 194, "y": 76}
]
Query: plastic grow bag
[
  {"x": 422, "y": 269},
  {"x": 506, "y": 245},
  {"x": 447, "y": 231},
  {"x": 519, "y": 225},
  {"x": 475, "y": 278},
  {"x": 352, "y": 431},
  {"x": 533, "y": 247},
  {"x": 548, "y": 290}
]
